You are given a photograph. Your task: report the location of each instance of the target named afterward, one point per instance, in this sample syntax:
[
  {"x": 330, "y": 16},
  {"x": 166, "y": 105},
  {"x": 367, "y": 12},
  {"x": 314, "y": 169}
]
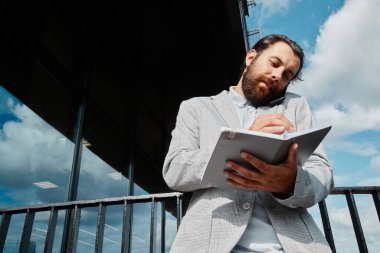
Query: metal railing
[
  {"x": 349, "y": 193},
  {"x": 76, "y": 206}
]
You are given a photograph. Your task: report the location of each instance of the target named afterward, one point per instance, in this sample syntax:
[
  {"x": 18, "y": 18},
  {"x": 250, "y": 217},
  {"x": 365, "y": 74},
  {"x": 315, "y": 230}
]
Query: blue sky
[
  {"x": 341, "y": 82},
  {"x": 353, "y": 146}
]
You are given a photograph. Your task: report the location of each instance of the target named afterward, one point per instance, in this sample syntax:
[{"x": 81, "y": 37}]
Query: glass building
[{"x": 89, "y": 93}]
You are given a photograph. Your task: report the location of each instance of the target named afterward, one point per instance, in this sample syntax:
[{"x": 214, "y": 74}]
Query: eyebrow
[{"x": 288, "y": 70}]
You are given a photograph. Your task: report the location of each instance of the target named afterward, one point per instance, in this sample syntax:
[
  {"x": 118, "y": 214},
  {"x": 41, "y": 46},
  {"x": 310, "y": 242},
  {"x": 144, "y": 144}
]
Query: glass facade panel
[
  {"x": 35, "y": 158},
  {"x": 170, "y": 230},
  {"x": 58, "y": 232},
  {"x": 113, "y": 229},
  {"x": 12, "y": 242},
  {"x": 38, "y": 236},
  {"x": 98, "y": 179},
  {"x": 141, "y": 228},
  {"x": 87, "y": 230}
]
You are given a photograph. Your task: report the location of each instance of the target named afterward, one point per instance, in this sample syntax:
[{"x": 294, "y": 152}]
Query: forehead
[{"x": 285, "y": 53}]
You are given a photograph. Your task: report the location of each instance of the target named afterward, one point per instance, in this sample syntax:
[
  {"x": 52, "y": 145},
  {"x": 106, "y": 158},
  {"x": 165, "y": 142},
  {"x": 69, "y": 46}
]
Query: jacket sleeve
[
  {"x": 186, "y": 160},
  {"x": 314, "y": 179}
]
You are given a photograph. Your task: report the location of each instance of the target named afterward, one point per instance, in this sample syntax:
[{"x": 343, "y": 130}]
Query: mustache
[{"x": 268, "y": 81}]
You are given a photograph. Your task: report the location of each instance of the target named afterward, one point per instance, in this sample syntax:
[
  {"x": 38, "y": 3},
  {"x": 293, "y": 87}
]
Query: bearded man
[{"x": 267, "y": 211}]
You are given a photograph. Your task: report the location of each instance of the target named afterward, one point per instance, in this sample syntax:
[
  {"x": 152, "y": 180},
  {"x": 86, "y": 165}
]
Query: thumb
[{"x": 292, "y": 155}]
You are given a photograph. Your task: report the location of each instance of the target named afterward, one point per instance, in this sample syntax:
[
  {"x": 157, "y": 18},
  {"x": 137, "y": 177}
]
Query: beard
[{"x": 254, "y": 92}]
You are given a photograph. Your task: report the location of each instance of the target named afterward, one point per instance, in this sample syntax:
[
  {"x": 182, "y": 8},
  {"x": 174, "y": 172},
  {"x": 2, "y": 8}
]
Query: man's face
[{"x": 269, "y": 73}]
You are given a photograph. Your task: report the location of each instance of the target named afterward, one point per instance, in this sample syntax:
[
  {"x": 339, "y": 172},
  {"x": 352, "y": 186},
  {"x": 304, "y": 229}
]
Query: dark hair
[{"x": 269, "y": 40}]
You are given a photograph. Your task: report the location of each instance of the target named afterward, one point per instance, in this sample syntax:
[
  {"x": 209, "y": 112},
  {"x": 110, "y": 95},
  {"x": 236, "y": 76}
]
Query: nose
[{"x": 276, "y": 75}]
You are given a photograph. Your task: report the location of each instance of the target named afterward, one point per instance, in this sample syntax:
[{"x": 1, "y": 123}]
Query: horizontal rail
[
  {"x": 355, "y": 190},
  {"x": 90, "y": 203}
]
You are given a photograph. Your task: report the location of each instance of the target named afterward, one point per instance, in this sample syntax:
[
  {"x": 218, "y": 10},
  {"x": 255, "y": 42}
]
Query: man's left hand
[{"x": 278, "y": 178}]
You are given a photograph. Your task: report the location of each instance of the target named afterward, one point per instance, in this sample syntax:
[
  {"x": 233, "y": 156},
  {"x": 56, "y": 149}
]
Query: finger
[
  {"x": 244, "y": 183},
  {"x": 256, "y": 162},
  {"x": 292, "y": 154},
  {"x": 273, "y": 129},
  {"x": 242, "y": 171},
  {"x": 281, "y": 121},
  {"x": 272, "y": 120}
]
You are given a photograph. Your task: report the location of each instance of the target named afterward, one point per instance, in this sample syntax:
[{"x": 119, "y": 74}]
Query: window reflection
[
  {"x": 98, "y": 179},
  {"x": 104, "y": 164},
  {"x": 35, "y": 168},
  {"x": 35, "y": 158}
]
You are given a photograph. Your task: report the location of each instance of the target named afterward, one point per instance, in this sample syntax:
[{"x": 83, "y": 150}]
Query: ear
[{"x": 250, "y": 56}]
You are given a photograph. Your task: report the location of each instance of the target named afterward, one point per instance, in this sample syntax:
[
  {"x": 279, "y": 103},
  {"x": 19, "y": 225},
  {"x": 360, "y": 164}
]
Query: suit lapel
[{"x": 226, "y": 109}]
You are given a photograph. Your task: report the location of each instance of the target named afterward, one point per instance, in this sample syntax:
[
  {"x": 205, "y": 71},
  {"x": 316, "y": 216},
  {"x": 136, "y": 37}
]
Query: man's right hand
[{"x": 275, "y": 123}]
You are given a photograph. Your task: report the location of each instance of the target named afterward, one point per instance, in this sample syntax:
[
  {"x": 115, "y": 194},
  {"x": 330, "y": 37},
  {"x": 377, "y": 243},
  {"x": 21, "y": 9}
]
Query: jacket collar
[{"x": 226, "y": 109}]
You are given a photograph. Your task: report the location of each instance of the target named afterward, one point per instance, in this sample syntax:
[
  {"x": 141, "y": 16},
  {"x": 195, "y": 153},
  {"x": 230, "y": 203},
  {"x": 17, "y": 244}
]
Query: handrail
[
  {"x": 76, "y": 207},
  {"x": 349, "y": 193}
]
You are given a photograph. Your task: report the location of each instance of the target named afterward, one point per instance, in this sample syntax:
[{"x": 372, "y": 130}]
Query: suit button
[{"x": 246, "y": 206}]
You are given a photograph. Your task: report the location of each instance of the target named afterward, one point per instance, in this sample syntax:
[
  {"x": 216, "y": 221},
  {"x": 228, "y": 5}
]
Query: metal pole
[
  {"x": 356, "y": 222},
  {"x": 327, "y": 225},
  {"x": 4, "y": 226},
  {"x": 376, "y": 200},
  {"x": 51, "y": 231},
  {"x": 77, "y": 157},
  {"x": 100, "y": 228},
  {"x": 153, "y": 221},
  {"x": 26, "y": 232}
]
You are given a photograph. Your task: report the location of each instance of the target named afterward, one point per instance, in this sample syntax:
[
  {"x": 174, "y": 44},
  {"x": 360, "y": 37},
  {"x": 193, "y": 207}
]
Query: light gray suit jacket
[{"x": 216, "y": 218}]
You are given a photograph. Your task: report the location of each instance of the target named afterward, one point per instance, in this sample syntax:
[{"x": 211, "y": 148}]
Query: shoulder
[
  {"x": 290, "y": 96},
  {"x": 294, "y": 100},
  {"x": 197, "y": 100},
  {"x": 192, "y": 107},
  {"x": 202, "y": 100}
]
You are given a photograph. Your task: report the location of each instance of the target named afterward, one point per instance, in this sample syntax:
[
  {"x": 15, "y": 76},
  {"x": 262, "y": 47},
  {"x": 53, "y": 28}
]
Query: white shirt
[{"x": 259, "y": 235}]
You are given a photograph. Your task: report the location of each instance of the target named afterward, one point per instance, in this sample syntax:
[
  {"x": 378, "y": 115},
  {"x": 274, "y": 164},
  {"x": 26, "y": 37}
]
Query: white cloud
[
  {"x": 29, "y": 146},
  {"x": 375, "y": 163},
  {"x": 30, "y": 143},
  {"x": 341, "y": 218},
  {"x": 370, "y": 182},
  {"x": 363, "y": 148},
  {"x": 342, "y": 78},
  {"x": 305, "y": 44},
  {"x": 342, "y": 180}
]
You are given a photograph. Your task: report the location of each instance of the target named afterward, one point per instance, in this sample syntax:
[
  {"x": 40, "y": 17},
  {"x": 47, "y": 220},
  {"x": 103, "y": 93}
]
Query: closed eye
[{"x": 274, "y": 63}]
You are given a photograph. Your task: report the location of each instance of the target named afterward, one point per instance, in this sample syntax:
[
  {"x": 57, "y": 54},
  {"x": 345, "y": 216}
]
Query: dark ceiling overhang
[{"x": 157, "y": 53}]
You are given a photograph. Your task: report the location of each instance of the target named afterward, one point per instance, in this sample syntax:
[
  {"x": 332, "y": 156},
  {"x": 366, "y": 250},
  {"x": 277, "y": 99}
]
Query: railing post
[
  {"x": 153, "y": 221},
  {"x": 73, "y": 232},
  {"x": 327, "y": 225},
  {"x": 376, "y": 200},
  {"x": 356, "y": 222},
  {"x": 179, "y": 211},
  {"x": 100, "y": 228},
  {"x": 26, "y": 232},
  {"x": 4, "y": 229},
  {"x": 51, "y": 231},
  {"x": 126, "y": 230}
]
